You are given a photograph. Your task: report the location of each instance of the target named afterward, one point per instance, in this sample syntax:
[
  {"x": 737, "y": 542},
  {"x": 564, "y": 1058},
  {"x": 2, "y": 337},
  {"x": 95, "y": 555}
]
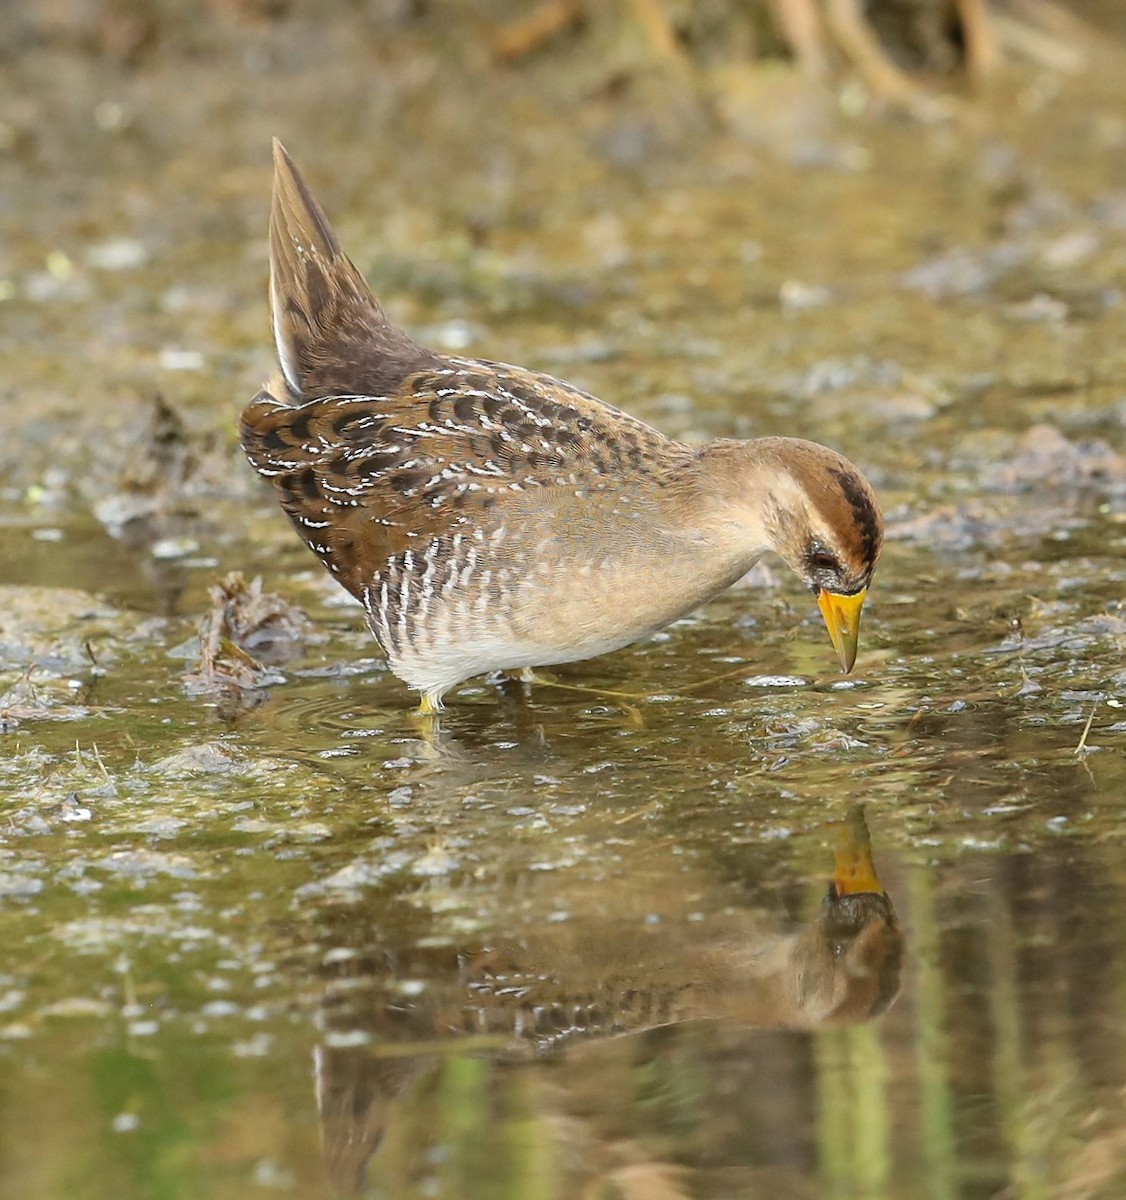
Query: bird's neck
[{"x": 729, "y": 486}]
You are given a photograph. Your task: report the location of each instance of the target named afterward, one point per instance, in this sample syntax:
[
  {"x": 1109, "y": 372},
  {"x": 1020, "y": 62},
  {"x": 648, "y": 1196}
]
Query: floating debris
[{"x": 244, "y": 617}]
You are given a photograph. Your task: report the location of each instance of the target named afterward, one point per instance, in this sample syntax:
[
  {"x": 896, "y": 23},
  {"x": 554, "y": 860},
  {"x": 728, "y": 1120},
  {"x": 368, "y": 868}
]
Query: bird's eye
[{"x": 823, "y": 561}]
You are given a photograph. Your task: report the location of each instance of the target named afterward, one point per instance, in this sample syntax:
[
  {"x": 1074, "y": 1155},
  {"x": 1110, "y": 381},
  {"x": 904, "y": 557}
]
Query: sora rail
[{"x": 489, "y": 517}]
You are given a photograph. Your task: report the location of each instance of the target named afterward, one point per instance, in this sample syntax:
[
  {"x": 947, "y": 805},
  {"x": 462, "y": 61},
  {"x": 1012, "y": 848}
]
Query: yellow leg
[
  {"x": 621, "y": 699},
  {"x": 530, "y": 676},
  {"x": 427, "y": 720}
]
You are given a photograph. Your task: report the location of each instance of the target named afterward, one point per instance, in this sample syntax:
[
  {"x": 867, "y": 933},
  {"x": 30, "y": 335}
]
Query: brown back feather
[
  {"x": 364, "y": 479},
  {"x": 378, "y": 447}
]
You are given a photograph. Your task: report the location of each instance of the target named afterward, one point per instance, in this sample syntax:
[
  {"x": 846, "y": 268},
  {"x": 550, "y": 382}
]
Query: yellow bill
[
  {"x": 854, "y": 873},
  {"x": 842, "y": 619}
]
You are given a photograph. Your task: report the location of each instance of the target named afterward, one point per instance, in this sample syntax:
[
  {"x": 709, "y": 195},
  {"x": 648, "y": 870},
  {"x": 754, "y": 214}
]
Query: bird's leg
[
  {"x": 434, "y": 742},
  {"x": 620, "y": 699}
]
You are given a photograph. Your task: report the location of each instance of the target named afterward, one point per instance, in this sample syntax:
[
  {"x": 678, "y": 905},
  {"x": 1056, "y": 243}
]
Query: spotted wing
[{"x": 366, "y": 480}]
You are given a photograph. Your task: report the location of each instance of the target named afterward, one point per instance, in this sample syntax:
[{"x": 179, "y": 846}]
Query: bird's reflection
[{"x": 537, "y": 997}]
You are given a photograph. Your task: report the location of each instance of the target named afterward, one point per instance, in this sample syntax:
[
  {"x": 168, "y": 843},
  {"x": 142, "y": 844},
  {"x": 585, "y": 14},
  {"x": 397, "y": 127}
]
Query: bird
[
  {"x": 492, "y": 518},
  {"x": 540, "y": 993}
]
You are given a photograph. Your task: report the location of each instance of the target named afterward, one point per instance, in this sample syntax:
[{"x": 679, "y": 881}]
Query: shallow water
[{"x": 282, "y": 942}]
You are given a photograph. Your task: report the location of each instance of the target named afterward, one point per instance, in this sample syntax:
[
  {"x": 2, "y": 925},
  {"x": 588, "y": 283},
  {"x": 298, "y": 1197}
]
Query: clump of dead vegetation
[{"x": 246, "y": 631}]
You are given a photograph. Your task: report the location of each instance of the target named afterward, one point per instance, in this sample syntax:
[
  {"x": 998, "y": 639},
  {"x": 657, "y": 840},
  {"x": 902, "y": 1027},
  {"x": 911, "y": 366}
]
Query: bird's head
[
  {"x": 813, "y": 508},
  {"x": 821, "y": 516}
]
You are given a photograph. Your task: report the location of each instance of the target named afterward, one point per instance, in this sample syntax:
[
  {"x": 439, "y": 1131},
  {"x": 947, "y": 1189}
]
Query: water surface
[{"x": 280, "y": 942}]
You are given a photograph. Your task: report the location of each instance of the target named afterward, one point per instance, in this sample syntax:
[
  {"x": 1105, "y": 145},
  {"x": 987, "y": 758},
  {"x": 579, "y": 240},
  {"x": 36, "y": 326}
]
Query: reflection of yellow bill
[
  {"x": 854, "y": 873},
  {"x": 842, "y": 619}
]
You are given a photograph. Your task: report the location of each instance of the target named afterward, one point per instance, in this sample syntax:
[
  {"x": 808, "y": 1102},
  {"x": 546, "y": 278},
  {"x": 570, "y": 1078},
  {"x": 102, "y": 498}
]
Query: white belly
[{"x": 549, "y": 620}]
